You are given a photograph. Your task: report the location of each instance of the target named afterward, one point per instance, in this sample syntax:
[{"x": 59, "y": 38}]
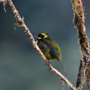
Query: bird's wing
[{"x": 54, "y": 53}]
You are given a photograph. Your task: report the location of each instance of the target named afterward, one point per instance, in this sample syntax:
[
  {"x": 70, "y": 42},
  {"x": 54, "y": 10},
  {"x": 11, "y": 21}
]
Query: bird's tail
[{"x": 62, "y": 65}]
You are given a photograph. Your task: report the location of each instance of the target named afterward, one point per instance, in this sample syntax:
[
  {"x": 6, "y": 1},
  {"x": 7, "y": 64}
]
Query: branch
[
  {"x": 81, "y": 75},
  {"x": 83, "y": 40},
  {"x": 22, "y": 24},
  {"x": 4, "y": 4}
]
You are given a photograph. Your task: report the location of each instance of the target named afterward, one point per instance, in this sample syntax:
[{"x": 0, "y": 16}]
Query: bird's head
[{"x": 42, "y": 36}]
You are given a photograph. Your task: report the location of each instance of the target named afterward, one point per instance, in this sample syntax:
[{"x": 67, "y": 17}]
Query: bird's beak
[{"x": 37, "y": 37}]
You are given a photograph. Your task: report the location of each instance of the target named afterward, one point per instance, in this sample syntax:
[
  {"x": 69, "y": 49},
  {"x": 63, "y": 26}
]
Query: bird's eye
[
  {"x": 40, "y": 35},
  {"x": 44, "y": 35}
]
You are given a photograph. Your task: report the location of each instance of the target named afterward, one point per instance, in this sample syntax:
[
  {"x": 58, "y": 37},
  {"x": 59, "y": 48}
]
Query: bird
[{"x": 49, "y": 47}]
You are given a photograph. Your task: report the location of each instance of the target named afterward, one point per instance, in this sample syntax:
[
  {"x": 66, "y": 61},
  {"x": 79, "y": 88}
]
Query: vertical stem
[{"x": 79, "y": 21}]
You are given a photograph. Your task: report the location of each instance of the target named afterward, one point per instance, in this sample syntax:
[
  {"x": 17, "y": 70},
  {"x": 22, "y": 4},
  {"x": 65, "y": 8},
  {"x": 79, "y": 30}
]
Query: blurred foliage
[{"x": 21, "y": 67}]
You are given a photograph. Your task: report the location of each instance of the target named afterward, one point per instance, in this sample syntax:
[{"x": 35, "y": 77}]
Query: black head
[{"x": 42, "y": 36}]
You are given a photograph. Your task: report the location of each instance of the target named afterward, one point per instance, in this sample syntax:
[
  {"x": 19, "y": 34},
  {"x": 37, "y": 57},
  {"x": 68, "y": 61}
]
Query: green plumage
[{"x": 49, "y": 47}]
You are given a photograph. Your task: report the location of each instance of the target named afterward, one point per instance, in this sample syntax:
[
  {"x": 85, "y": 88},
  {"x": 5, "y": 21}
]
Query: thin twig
[
  {"x": 4, "y": 4},
  {"x": 83, "y": 40},
  {"x": 81, "y": 75},
  {"x": 21, "y": 23}
]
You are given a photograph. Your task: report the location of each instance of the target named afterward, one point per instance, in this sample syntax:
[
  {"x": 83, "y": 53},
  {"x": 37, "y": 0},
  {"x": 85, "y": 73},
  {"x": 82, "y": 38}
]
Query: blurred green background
[{"x": 21, "y": 67}]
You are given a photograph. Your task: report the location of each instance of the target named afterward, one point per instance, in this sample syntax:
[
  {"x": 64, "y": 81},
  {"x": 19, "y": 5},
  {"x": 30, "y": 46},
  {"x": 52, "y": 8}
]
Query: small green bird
[{"x": 49, "y": 47}]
